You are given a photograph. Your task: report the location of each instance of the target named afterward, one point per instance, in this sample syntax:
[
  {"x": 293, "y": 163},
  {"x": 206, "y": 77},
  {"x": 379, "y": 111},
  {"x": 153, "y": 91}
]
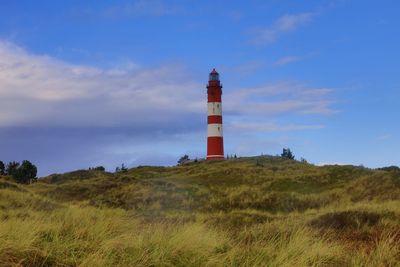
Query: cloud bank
[
  {"x": 42, "y": 91},
  {"x": 39, "y": 90}
]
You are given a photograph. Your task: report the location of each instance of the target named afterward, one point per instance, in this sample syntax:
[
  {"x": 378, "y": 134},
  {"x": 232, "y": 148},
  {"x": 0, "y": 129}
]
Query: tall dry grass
[
  {"x": 71, "y": 235},
  {"x": 269, "y": 214}
]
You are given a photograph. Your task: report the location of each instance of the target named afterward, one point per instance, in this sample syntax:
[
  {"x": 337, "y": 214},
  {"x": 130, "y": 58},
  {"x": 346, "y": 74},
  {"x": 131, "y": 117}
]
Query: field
[{"x": 259, "y": 211}]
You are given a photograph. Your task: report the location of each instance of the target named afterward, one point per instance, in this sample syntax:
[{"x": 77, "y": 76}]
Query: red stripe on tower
[
  {"x": 214, "y": 119},
  {"x": 215, "y": 141}
]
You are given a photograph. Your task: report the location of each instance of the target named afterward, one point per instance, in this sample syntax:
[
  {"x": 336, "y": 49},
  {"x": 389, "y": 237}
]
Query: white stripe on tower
[
  {"x": 215, "y": 129},
  {"x": 214, "y": 109}
]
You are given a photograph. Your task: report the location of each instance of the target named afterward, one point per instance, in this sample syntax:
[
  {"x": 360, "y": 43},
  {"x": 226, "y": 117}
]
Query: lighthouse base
[
  {"x": 215, "y": 157},
  {"x": 215, "y": 147}
]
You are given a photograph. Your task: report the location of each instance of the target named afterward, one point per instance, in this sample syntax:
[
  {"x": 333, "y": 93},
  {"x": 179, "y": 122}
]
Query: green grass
[{"x": 262, "y": 211}]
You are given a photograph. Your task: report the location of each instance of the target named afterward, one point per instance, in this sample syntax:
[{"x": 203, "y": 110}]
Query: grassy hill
[{"x": 260, "y": 211}]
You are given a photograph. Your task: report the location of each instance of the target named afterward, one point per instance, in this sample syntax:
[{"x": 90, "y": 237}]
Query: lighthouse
[{"x": 215, "y": 141}]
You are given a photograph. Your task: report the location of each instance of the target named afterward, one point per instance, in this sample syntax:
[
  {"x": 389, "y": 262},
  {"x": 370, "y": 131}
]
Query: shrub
[
  {"x": 389, "y": 168},
  {"x": 183, "y": 159},
  {"x": 2, "y": 168},
  {"x": 287, "y": 153},
  {"x": 98, "y": 168},
  {"x": 12, "y": 167},
  {"x": 123, "y": 168},
  {"x": 346, "y": 220},
  {"x": 25, "y": 173}
]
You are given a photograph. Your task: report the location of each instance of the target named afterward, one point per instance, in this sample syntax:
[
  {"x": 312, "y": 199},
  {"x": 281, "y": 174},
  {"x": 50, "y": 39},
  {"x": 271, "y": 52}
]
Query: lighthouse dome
[{"x": 214, "y": 76}]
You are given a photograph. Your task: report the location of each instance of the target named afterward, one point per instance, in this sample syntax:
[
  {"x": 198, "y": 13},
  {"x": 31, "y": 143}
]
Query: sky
[{"x": 88, "y": 83}]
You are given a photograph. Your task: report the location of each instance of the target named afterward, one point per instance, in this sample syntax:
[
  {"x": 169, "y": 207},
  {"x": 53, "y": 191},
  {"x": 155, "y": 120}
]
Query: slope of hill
[{"x": 261, "y": 211}]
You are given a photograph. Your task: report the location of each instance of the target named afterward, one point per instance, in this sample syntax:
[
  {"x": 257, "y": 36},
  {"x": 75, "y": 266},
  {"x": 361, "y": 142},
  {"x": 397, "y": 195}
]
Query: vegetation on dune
[
  {"x": 24, "y": 172},
  {"x": 261, "y": 211}
]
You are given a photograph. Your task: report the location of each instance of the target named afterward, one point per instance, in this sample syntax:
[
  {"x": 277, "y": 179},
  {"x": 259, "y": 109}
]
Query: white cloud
[
  {"x": 331, "y": 163},
  {"x": 248, "y": 67},
  {"x": 269, "y": 127},
  {"x": 41, "y": 90},
  {"x": 280, "y": 98},
  {"x": 284, "y": 24},
  {"x": 291, "y": 59},
  {"x": 384, "y": 137},
  {"x": 287, "y": 60}
]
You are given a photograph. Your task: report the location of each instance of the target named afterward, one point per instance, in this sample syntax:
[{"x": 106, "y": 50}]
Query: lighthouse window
[
  {"x": 217, "y": 105},
  {"x": 214, "y": 77}
]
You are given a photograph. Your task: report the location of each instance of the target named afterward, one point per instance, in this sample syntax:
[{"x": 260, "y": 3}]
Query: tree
[
  {"x": 122, "y": 168},
  {"x": 183, "y": 159},
  {"x": 100, "y": 168},
  {"x": 12, "y": 167},
  {"x": 303, "y": 160},
  {"x": 287, "y": 153},
  {"x": 25, "y": 173},
  {"x": 390, "y": 168},
  {"x": 2, "y": 168}
]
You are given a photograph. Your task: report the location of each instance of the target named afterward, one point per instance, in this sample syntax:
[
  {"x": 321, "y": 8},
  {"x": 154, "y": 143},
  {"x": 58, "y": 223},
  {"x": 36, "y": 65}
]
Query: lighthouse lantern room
[{"x": 215, "y": 142}]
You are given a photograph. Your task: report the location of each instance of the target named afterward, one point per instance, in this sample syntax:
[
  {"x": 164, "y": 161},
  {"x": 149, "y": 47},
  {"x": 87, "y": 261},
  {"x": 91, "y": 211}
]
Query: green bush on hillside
[
  {"x": 25, "y": 173},
  {"x": 123, "y": 168},
  {"x": 183, "y": 159},
  {"x": 390, "y": 168},
  {"x": 2, "y": 168},
  {"x": 11, "y": 168},
  {"x": 287, "y": 153},
  {"x": 22, "y": 173},
  {"x": 98, "y": 168}
]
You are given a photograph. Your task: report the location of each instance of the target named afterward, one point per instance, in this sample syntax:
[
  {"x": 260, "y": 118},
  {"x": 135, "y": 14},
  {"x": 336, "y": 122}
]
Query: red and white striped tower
[{"x": 215, "y": 141}]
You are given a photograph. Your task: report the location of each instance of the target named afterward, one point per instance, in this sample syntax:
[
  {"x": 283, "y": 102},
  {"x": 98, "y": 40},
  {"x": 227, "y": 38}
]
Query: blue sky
[{"x": 86, "y": 83}]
